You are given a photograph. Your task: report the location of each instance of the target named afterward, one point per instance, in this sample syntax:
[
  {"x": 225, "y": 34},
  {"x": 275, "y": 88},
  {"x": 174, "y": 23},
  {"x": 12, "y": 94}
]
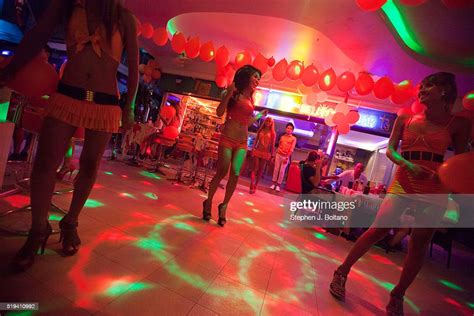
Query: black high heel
[
  {"x": 206, "y": 211},
  {"x": 69, "y": 237},
  {"x": 222, "y": 209},
  {"x": 25, "y": 257}
]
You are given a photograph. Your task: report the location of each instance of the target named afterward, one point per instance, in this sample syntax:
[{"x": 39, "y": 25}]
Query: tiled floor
[{"x": 146, "y": 251}]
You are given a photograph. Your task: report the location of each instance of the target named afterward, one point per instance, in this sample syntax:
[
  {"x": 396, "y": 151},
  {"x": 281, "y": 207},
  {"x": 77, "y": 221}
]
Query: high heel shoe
[
  {"x": 65, "y": 170},
  {"x": 338, "y": 285},
  {"x": 69, "y": 237},
  {"x": 25, "y": 257},
  {"x": 206, "y": 211},
  {"x": 395, "y": 305},
  {"x": 222, "y": 209}
]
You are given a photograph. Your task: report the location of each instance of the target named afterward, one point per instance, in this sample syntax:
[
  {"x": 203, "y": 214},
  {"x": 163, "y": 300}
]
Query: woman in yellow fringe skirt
[{"x": 97, "y": 31}]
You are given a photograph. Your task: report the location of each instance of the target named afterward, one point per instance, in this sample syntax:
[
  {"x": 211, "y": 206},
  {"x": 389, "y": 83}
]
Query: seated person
[
  {"x": 311, "y": 172},
  {"x": 351, "y": 175}
]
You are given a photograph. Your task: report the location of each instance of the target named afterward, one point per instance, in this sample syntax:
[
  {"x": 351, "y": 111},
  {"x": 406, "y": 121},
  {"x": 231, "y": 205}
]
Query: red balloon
[
  {"x": 192, "y": 47},
  {"x": 417, "y": 107},
  {"x": 412, "y": 2},
  {"x": 147, "y": 30},
  {"x": 468, "y": 101},
  {"x": 310, "y": 76},
  {"x": 261, "y": 63},
  {"x": 339, "y": 118},
  {"x": 353, "y": 117},
  {"x": 343, "y": 128},
  {"x": 170, "y": 132},
  {"x": 271, "y": 61},
  {"x": 346, "y": 81},
  {"x": 222, "y": 56},
  {"x": 364, "y": 83},
  {"x": 383, "y": 88},
  {"x": 160, "y": 36},
  {"x": 370, "y": 5},
  {"x": 405, "y": 111},
  {"x": 242, "y": 59},
  {"x": 207, "y": 52},
  {"x": 178, "y": 43},
  {"x": 279, "y": 71},
  {"x": 327, "y": 80},
  {"x": 229, "y": 73},
  {"x": 167, "y": 112},
  {"x": 294, "y": 70},
  {"x": 402, "y": 92},
  {"x": 221, "y": 81},
  {"x": 457, "y": 4},
  {"x": 35, "y": 79},
  {"x": 457, "y": 173}
]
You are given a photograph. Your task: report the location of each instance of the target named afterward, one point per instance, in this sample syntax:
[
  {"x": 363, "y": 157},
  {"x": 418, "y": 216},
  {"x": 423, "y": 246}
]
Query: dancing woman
[
  {"x": 96, "y": 34},
  {"x": 262, "y": 152},
  {"x": 424, "y": 141},
  {"x": 238, "y": 102}
]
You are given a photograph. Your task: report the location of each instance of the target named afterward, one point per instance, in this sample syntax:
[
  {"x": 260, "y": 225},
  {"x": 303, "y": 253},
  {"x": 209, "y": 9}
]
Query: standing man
[{"x": 285, "y": 149}]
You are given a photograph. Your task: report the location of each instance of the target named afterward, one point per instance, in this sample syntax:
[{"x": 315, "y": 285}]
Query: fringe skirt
[{"x": 81, "y": 113}]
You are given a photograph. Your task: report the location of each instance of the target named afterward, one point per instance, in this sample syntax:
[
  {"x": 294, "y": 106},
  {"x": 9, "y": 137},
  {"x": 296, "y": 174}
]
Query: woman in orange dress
[
  {"x": 96, "y": 34},
  {"x": 424, "y": 141},
  {"x": 262, "y": 152}
]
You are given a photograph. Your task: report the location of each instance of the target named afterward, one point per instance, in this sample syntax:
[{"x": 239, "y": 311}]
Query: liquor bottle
[{"x": 367, "y": 188}]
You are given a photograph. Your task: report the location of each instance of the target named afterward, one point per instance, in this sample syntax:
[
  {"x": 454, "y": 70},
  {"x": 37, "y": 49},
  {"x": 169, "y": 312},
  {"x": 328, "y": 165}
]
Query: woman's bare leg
[
  {"x": 52, "y": 146},
  {"x": 94, "y": 146},
  {"x": 237, "y": 162},
  {"x": 224, "y": 157}
]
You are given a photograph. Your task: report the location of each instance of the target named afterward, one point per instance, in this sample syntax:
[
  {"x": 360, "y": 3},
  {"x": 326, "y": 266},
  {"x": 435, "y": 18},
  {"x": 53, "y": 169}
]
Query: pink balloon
[
  {"x": 170, "y": 132},
  {"x": 343, "y": 129},
  {"x": 178, "y": 43},
  {"x": 193, "y": 47},
  {"x": 221, "y": 81},
  {"x": 207, "y": 52},
  {"x": 370, "y": 5},
  {"x": 328, "y": 120},
  {"x": 160, "y": 36},
  {"x": 147, "y": 30},
  {"x": 222, "y": 56},
  {"x": 383, "y": 88},
  {"x": 295, "y": 70},
  {"x": 261, "y": 63},
  {"x": 346, "y": 81}
]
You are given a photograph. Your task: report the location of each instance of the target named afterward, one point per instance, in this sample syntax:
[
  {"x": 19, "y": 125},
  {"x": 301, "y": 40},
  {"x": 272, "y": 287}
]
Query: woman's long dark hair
[
  {"x": 242, "y": 80},
  {"x": 111, "y": 12}
]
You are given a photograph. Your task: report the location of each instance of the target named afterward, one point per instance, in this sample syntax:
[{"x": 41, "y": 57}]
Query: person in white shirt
[{"x": 352, "y": 175}]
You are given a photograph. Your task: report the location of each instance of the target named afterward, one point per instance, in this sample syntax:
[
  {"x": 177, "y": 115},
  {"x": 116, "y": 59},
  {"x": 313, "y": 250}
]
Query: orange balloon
[
  {"x": 271, "y": 61},
  {"x": 370, "y": 5},
  {"x": 457, "y": 173},
  {"x": 279, "y": 71},
  {"x": 160, "y": 36},
  {"x": 192, "y": 47},
  {"x": 167, "y": 112},
  {"x": 402, "y": 92},
  {"x": 178, "y": 43},
  {"x": 310, "y": 76},
  {"x": 207, "y": 52},
  {"x": 221, "y": 81},
  {"x": 222, "y": 56},
  {"x": 35, "y": 79}
]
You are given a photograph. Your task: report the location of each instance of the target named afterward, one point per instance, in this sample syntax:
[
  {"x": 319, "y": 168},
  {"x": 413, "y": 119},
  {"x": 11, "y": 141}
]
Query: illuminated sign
[{"x": 293, "y": 103}]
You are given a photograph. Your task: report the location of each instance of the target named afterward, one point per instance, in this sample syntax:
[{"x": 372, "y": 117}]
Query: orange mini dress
[
  {"x": 427, "y": 150},
  {"x": 241, "y": 112},
  {"x": 84, "y": 113}
]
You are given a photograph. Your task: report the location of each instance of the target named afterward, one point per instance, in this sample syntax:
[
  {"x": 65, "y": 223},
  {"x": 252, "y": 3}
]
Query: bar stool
[
  {"x": 186, "y": 146},
  {"x": 209, "y": 152},
  {"x": 32, "y": 121},
  {"x": 162, "y": 143}
]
